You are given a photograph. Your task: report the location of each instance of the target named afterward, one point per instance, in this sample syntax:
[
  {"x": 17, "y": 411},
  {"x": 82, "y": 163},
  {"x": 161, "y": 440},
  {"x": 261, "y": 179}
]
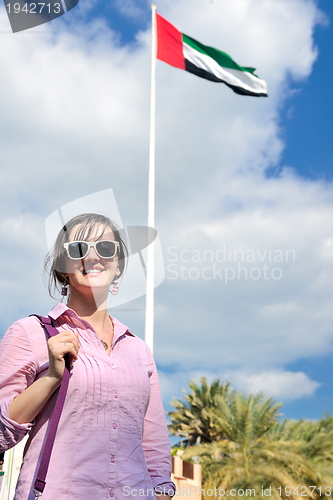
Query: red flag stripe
[{"x": 169, "y": 43}]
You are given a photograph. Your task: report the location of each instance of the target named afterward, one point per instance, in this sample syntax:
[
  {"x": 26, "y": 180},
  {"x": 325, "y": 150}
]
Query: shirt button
[
  {"x": 116, "y": 395},
  {"x": 112, "y": 459},
  {"x": 111, "y": 493},
  {"x": 115, "y": 426},
  {"x": 113, "y": 367}
]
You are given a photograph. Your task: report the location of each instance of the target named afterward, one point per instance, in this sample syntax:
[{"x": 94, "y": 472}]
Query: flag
[{"x": 183, "y": 52}]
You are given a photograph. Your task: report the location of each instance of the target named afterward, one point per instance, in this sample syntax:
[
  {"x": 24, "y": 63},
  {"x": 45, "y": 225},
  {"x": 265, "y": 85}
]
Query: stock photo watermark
[
  {"x": 192, "y": 490},
  {"x": 26, "y": 14},
  {"x": 227, "y": 264}
]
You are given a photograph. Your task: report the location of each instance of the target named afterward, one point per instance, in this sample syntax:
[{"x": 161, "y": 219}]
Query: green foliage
[
  {"x": 195, "y": 418},
  {"x": 176, "y": 449},
  {"x": 315, "y": 439},
  {"x": 242, "y": 444}
]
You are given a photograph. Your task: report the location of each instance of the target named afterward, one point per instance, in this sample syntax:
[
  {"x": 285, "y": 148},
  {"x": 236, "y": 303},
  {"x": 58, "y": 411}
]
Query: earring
[
  {"x": 64, "y": 289},
  {"x": 115, "y": 283}
]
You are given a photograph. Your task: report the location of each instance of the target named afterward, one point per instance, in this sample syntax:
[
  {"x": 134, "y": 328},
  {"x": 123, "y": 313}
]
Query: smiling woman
[
  {"x": 71, "y": 246},
  {"x": 112, "y": 433}
]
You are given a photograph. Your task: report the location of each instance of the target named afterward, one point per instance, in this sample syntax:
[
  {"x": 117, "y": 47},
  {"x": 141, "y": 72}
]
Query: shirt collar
[{"x": 119, "y": 328}]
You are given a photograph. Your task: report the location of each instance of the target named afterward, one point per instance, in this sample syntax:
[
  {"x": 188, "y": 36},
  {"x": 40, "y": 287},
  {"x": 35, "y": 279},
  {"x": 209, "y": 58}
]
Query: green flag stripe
[
  {"x": 220, "y": 57},
  {"x": 230, "y": 76}
]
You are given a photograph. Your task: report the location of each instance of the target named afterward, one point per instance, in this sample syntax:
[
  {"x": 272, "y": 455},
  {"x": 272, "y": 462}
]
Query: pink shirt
[{"x": 112, "y": 439}]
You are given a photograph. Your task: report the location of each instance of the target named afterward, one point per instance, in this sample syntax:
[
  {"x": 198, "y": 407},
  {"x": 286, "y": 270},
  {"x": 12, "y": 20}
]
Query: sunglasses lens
[
  {"x": 106, "y": 249},
  {"x": 78, "y": 250}
]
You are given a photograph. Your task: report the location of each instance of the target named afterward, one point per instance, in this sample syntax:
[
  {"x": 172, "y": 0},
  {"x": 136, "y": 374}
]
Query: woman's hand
[
  {"x": 27, "y": 405},
  {"x": 66, "y": 342}
]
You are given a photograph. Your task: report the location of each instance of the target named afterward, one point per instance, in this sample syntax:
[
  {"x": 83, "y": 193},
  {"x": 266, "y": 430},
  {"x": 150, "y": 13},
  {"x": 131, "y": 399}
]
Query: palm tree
[
  {"x": 316, "y": 441},
  {"x": 255, "y": 453},
  {"x": 195, "y": 418},
  {"x": 320, "y": 447}
]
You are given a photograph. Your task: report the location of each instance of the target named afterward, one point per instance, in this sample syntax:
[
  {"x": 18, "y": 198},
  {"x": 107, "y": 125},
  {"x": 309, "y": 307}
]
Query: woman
[{"x": 112, "y": 439}]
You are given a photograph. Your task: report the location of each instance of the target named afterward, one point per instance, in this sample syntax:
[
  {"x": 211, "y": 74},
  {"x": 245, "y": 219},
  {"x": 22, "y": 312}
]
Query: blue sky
[
  {"x": 307, "y": 123},
  {"x": 320, "y": 369},
  {"x": 251, "y": 174},
  {"x": 307, "y": 115}
]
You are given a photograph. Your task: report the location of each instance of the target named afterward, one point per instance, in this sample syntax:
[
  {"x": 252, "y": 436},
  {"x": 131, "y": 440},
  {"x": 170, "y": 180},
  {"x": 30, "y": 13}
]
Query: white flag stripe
[{"x": 233, "y": 77}]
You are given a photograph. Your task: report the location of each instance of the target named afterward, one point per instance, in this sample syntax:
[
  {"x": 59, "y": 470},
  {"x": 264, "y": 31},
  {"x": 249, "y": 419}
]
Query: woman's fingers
[
  {"x": 65, "y": 343},
  {"x": 68, "y": 337}
]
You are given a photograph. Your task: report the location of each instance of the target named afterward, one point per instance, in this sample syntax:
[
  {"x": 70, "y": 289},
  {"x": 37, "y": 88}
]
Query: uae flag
[{"x": 183, "y": 52}]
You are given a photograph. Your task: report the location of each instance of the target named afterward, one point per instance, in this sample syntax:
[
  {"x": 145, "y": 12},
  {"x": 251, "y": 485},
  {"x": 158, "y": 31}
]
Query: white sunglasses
[{"x": 77, "y": 250}]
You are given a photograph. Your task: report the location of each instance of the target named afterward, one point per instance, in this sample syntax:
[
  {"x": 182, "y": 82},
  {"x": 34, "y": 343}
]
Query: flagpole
[{"x": 149, "y": 316}]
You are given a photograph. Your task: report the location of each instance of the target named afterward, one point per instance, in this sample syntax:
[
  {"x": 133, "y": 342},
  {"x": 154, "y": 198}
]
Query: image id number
[
  {"x": 34, "y": 8},
  {"x": 302, "y": 491}
]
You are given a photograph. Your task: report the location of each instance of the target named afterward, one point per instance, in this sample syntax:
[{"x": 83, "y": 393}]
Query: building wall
[
  {"x": 11, "y": 469},
  {"x": 187, "y": 478}
]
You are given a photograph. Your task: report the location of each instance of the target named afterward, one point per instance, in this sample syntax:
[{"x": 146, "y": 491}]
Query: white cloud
[
  {"x": 284, "y": 385},
  {"x": 129, "y": 8},
  {"x": 276, "y": 383}
]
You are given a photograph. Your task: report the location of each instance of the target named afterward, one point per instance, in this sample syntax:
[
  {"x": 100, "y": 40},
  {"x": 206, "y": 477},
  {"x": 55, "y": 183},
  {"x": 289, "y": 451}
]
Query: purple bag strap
[{"x": 40, "y": 481}]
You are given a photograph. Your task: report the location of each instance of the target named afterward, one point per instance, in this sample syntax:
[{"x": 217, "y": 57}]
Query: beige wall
[
  {"x": 187, "y": 478},
  {"x": 11, "y": 467}
]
